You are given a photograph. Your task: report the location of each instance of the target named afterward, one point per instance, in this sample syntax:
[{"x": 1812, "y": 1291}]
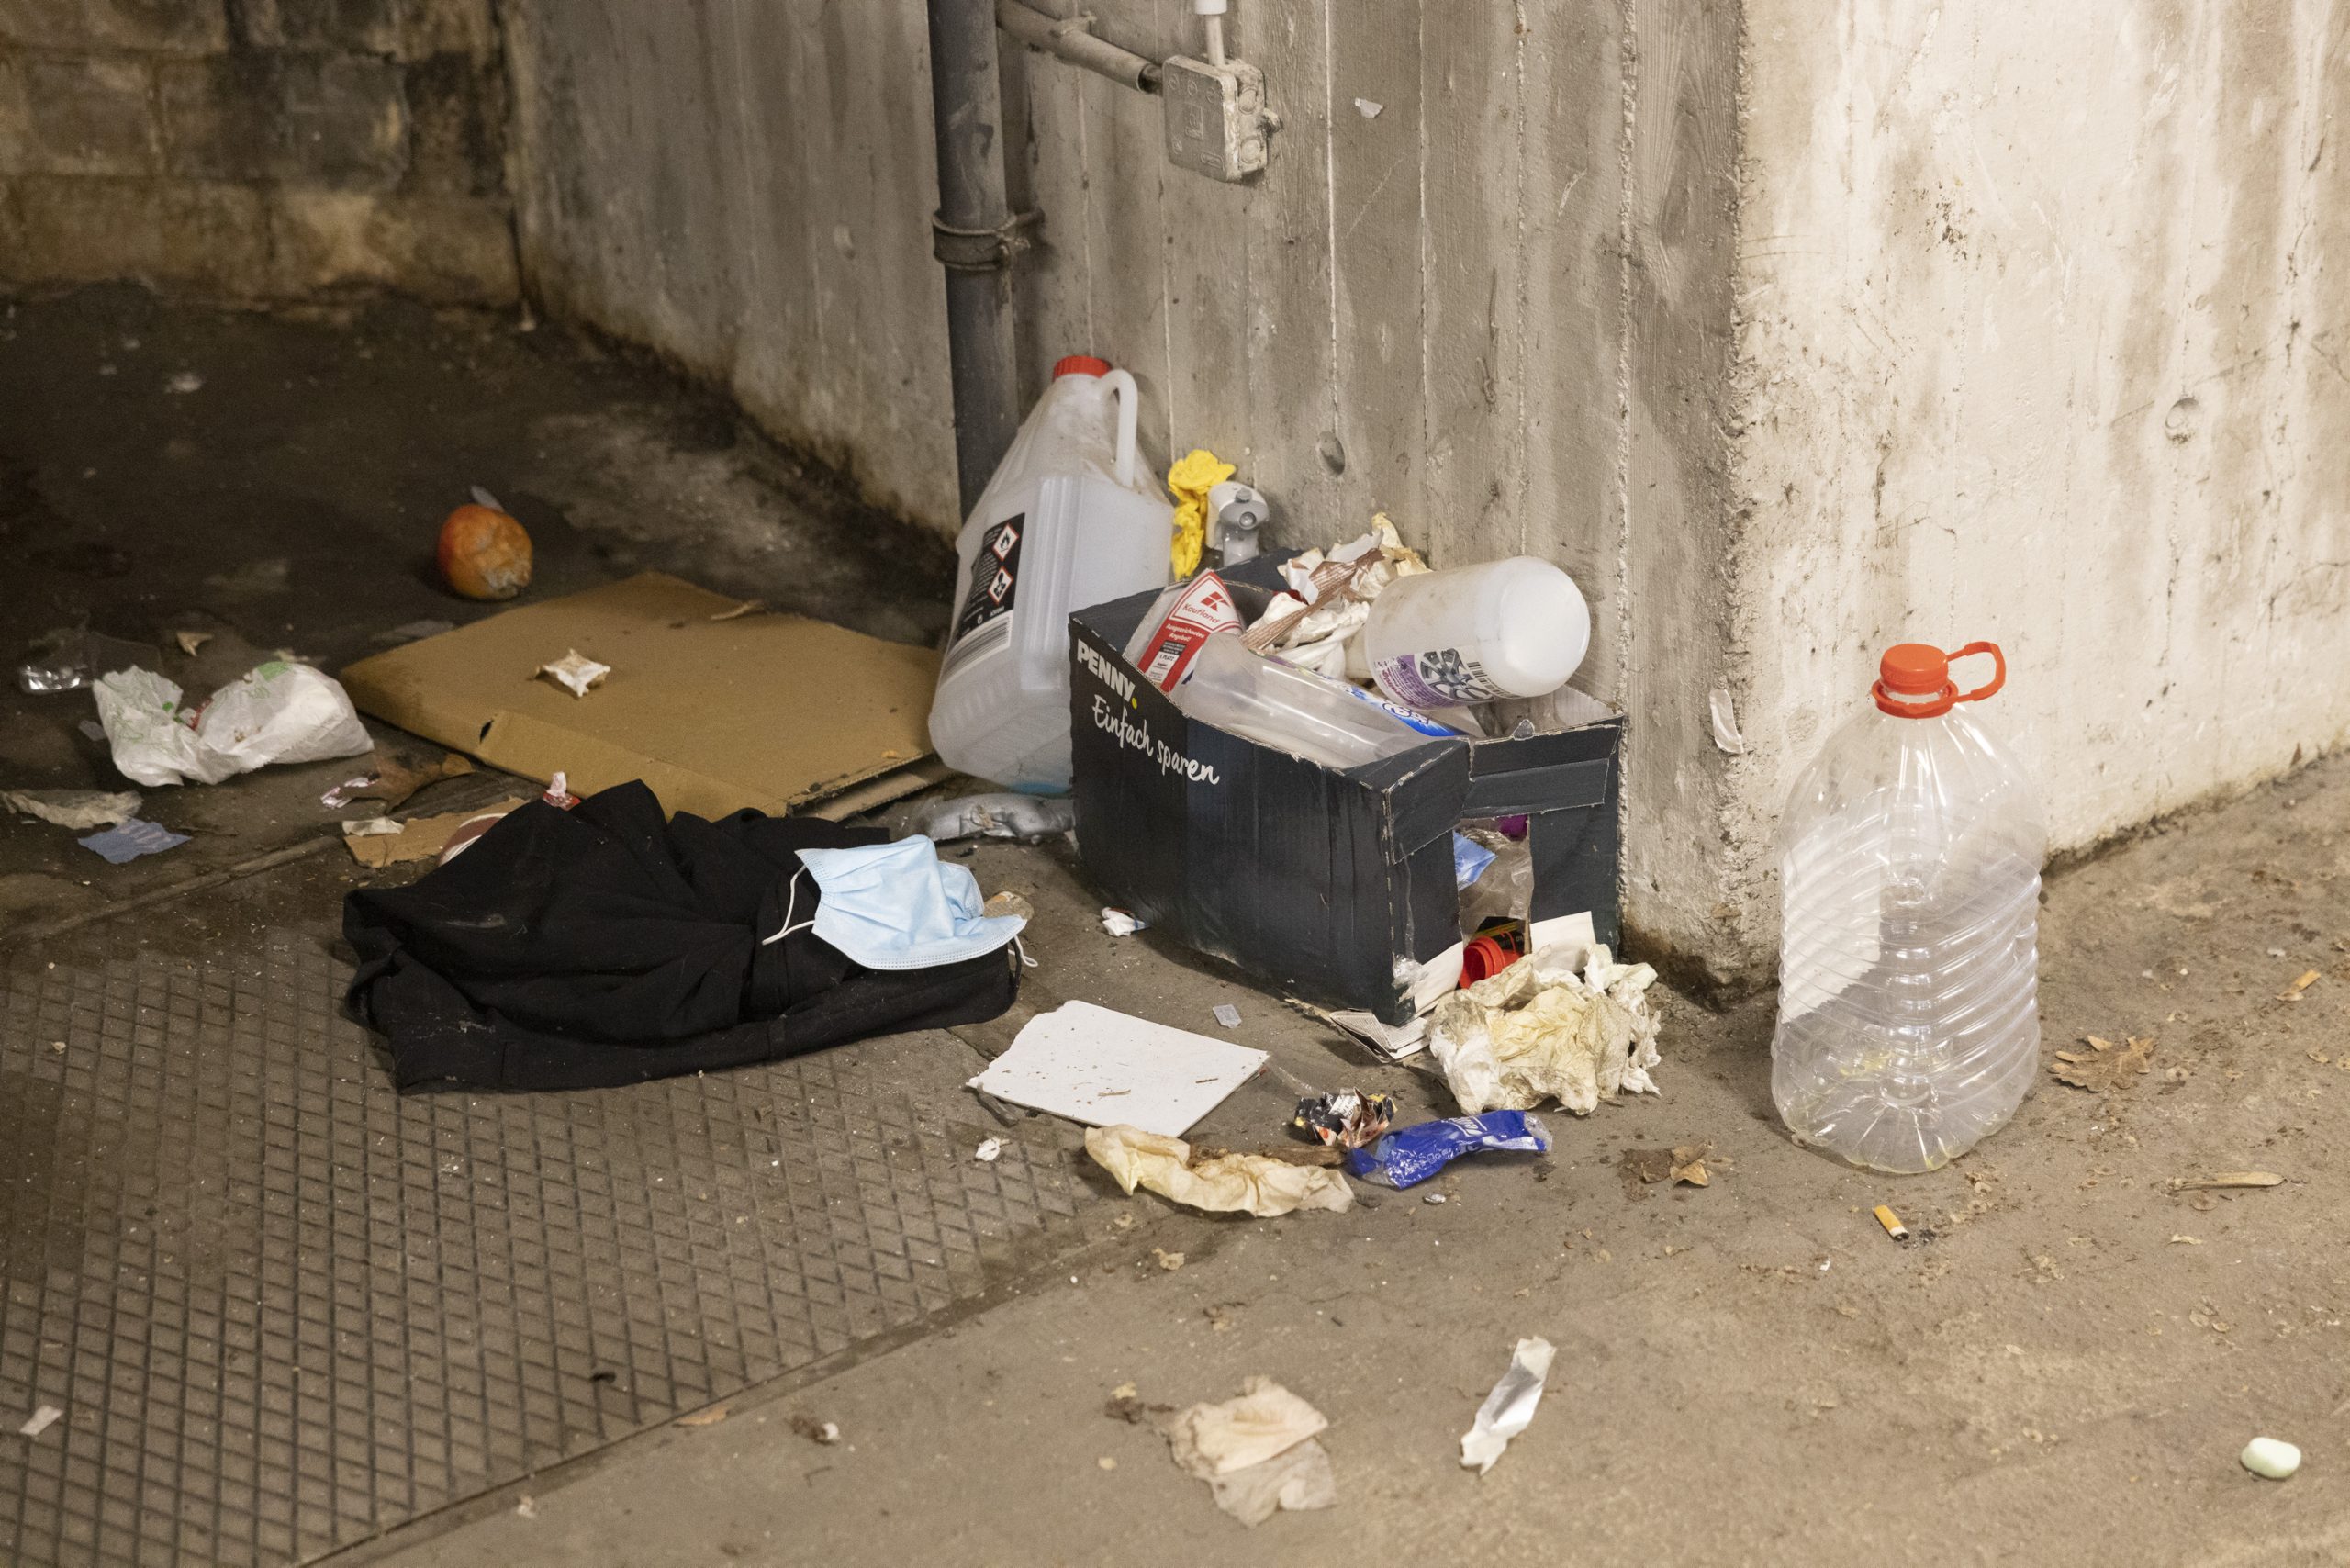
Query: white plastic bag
[{"x": 275, "y": 712}]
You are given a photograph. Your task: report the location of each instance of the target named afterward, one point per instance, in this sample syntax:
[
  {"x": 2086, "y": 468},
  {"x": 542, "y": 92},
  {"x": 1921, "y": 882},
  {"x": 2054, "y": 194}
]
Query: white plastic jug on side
[
  {"x": 1909, "y": 955},
  {"x": 1511, "y": 628},
  {"x": 1071, "y": 519}
]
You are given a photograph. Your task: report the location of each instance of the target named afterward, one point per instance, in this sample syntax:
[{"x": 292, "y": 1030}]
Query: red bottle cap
[
  {"x": 1483, "y": 959},
  {"x": 1080, "y": 365}
]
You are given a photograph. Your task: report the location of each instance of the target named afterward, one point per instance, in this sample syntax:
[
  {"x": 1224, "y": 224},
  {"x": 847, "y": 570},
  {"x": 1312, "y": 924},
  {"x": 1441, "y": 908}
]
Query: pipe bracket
[{"x": 982, "y": 249}]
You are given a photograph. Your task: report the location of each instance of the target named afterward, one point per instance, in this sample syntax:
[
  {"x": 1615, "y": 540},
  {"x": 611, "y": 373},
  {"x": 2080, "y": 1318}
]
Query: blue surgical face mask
[{"x": 898, "y": 906}]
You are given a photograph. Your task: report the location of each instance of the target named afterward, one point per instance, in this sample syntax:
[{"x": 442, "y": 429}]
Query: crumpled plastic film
[
  {"x": 1540, "y": 1030},
  {"x": 1189, "y": 480},
  {"x": 1244, "y": 1184},
  {"x": 1509, "y": 1408}
]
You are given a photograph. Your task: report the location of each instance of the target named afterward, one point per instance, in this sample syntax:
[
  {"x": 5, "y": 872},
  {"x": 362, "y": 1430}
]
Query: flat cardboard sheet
[
  {"x": 773, "y": 711},
  {"x": 1102, "y": 1066}
]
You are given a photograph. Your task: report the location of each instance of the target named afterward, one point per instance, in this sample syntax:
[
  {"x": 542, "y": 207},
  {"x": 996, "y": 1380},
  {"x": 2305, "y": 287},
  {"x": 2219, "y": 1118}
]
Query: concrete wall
[
  {"x": 255, "y": 148},
  {"x": 2045, "y": 338},
  {"x": 1491, "y": 299}
]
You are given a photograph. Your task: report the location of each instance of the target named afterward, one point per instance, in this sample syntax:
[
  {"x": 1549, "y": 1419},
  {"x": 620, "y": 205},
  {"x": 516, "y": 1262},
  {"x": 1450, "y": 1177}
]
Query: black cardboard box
[{"x": 1321, "y": 883}]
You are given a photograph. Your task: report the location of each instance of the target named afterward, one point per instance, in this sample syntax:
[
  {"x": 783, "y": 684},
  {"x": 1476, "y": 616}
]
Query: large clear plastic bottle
[{"x": 1908, "y": 954}]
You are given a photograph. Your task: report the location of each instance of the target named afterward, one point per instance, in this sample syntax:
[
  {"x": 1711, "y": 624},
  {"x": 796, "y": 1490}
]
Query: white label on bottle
[{"x": 1440, "y": 678}]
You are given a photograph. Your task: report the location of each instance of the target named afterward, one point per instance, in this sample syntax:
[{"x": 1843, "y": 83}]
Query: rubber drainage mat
[{"x": 283, "y": 1309}]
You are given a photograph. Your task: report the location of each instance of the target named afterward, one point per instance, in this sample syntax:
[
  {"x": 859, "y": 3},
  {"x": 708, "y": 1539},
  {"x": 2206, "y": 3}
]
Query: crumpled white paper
[
  {"x": 574, "y": 672},
  {"x": 1509, "y": 1408},
  {"x": 1330, "y": 598},
  {"x": 275, "y": 712},
  {"x": 1539, "y": 1030}
]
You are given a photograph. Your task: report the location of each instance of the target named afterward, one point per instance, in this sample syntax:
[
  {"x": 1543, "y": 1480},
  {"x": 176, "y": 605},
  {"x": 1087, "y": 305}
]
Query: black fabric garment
[{"x": 603, "y": 945}]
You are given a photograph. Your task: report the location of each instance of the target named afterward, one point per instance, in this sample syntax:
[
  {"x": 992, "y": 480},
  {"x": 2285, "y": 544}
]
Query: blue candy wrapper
[
  {"x": 1411, "y": 1154},
  {"x": 131, "y": 839}
]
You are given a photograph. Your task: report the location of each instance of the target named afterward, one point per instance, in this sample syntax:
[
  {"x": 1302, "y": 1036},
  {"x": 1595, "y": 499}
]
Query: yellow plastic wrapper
[{"x": 1189, "y": 480}]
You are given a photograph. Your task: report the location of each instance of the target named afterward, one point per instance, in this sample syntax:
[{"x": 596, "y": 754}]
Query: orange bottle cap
[
  {"x": 1913, "y": 678},
  {"x": 1914, "y": 667}
]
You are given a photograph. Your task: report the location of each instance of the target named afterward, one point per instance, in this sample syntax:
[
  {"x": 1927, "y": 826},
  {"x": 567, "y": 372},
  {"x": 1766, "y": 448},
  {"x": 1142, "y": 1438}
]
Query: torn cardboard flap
[
  {"x": 378, "y": 844},
  {"x": 777, "y": 713}
]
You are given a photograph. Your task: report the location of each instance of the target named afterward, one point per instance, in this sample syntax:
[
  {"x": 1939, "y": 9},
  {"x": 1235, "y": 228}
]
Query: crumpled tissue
[
  {"x": 1257, "y": 1452},
  {"x": 1246, "y": 1183},
  {"x": 1539, "y": 1030},
  {"x": 275, "y": 712},
  {"x": 73, "y": 807}
]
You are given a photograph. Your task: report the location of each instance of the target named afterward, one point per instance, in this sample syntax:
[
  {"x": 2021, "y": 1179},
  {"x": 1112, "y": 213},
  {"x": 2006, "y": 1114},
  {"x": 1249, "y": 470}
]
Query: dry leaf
[
  {"x": 1689, "y": 1164},
  {"x": 2105, "y": 1066},
  {"x": 1219, "y": 1317},
  {"x": 1171, "y": 1261},
  {"x": 1684, "y": 1164},
  {"x": 815, "y": 1431},
  {"x": 2228, "y": 1179},
  {"x": 710, "y": 1418}
]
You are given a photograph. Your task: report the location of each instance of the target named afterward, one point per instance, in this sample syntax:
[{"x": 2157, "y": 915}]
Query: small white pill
[{"x": 2271, "y": 1456}]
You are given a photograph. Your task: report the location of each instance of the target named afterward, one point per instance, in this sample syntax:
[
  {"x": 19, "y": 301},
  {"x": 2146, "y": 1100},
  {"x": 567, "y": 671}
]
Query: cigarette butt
[{"x": 1892, "y": 1223}]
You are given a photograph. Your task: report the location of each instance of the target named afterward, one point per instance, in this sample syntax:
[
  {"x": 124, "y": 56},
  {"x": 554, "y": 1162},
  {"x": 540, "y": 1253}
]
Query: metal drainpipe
[{"x": 974, "y": 236}]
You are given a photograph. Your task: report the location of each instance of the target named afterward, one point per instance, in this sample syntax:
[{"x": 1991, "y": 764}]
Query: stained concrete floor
[
  {"x": 2062, "y": 1366},
  {"x": 277, "y": 482}
]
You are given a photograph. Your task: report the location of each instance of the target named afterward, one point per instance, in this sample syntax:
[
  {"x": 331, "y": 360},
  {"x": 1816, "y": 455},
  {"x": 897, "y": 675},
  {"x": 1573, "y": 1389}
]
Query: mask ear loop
[
  {"x": 791, "y": 903},
  {"x": 1022, "y": 948}
]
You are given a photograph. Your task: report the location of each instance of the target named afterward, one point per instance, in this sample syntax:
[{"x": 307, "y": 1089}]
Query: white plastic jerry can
[{"x": 1071, "y": 519}]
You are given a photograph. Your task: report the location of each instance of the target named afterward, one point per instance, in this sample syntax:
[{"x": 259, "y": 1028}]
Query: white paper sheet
[{"x": 1101, "y": 1067}]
